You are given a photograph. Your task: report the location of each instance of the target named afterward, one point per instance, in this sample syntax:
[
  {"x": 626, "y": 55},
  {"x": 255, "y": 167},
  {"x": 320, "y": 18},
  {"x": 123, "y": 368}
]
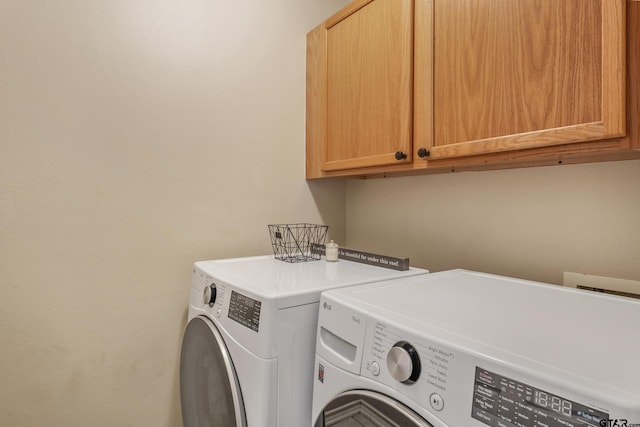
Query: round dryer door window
[
  {"x": 366, "y": 408},
  {"x": 209, "y": 390}
]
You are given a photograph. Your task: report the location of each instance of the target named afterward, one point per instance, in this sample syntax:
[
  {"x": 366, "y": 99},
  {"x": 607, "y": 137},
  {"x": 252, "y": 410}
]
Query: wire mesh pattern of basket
[{"x": 297, "y": 242}]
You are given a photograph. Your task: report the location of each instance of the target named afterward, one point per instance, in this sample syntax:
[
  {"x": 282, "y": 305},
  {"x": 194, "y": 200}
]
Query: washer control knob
[
  {"x": 403, "y": 362},
  {"x": 209, "y": 295}
]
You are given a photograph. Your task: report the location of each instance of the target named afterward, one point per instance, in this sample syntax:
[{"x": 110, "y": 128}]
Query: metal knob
[
  {"x": 209, "y": 295},
  {"x": 403, "y": 363},
  {"x": 423, "y": 152},
  {"x": 400, "y": 155}
]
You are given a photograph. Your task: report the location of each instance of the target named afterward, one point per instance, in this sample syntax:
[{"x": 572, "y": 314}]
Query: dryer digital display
[
  {"x": 502, "y": 401},
  {"x": 244, "y": 310}
]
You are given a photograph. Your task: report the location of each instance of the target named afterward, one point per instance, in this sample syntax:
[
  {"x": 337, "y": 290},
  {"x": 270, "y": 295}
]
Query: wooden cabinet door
[
  {"x": 517, "y": 74},
  {"x": 369, "y": 51}
]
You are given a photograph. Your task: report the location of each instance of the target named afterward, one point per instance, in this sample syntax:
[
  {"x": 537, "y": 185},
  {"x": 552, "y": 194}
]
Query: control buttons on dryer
[
  {"x": 375, "y": 369},
  {"x": 209, "y": 295},
  {"x": 403, "y": 362},
  {"x": 436, "y": 401}
]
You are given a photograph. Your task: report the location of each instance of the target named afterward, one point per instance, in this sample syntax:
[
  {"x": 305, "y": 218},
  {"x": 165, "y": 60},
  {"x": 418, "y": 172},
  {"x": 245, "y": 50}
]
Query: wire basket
[{"x": 297, "y": 242}]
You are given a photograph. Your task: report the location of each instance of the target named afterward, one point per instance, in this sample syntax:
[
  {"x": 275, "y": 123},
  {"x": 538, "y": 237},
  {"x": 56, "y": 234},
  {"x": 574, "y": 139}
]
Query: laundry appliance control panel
[{"x": 459, "y": 380}]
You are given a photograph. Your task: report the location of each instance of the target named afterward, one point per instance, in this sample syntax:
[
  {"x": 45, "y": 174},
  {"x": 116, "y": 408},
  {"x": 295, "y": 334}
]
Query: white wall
[
  {"x": 136, "y": 137},
  {"x": 532, "y": 223}
]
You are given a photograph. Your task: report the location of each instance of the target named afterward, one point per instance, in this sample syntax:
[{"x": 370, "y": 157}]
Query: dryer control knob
[
  {"x": 209, "y": 295},
  {"x": 403, "y": 362}
]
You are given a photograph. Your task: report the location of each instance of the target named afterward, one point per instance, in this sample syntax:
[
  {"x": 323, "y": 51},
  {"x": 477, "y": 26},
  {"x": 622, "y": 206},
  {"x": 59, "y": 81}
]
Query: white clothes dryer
[
  {"x": 461, "y": 348},
  {"x": 248, "y": 348}
]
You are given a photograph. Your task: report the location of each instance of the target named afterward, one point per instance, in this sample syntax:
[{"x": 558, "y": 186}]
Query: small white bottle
[{"x": 331, "y": 251}]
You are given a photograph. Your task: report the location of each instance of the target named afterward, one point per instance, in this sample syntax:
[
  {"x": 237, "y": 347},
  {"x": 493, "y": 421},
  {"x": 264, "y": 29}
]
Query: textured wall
[{"x": 136, "y": 137}]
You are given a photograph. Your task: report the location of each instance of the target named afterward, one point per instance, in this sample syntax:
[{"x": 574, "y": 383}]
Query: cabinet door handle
[
  {"x": 400, "y": 155},
  {"x": 423, "y": 152}
]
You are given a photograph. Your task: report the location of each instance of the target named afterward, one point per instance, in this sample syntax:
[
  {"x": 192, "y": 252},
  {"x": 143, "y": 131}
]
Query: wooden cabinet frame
[
  {"x": 359, "y": 94},
  {"x": 612, "y": 80},
  {"x": 615, "y": 137}
]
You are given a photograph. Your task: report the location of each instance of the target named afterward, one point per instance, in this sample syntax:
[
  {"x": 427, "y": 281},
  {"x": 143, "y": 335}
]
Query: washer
[
  {"x": 460, "y": 348},
  {"x": 248, "y": 348}
]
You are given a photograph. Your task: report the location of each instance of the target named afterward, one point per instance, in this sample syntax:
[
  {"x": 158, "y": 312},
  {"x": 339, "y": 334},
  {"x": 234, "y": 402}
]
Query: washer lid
[
  {"x": 590, "y": 335},
  {"x": 293, "y": 284},
  {"x": 209, "y": 389}
]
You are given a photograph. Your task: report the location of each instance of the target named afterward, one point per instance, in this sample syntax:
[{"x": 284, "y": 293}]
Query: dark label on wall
[{"x": 400, "y": 264}]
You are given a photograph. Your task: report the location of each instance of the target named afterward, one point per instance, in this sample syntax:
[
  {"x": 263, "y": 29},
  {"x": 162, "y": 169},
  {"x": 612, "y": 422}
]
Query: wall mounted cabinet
[
  {"x": 521, "y": 74},
  {"x": 404, "y": 86},
  {"x": 364, "y": 73}
]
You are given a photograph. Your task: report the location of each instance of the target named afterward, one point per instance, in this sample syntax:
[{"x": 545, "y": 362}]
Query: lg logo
[{"x": 326, "y": 306}]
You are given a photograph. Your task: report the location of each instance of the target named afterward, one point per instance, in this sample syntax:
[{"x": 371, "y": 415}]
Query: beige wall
[
  {"x": 135, "y": 138},
  {"x": 532, "y": 223}
]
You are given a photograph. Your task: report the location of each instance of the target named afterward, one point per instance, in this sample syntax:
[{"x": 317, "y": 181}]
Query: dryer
[
  {"x": 249, "y": 344},
  {"x": 462, "y": 348}
]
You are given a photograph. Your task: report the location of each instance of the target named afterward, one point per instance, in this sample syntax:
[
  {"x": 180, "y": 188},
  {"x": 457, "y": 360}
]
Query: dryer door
[
  {"x": 209, "y": 389},
  {"x": 366, "y": 408}
]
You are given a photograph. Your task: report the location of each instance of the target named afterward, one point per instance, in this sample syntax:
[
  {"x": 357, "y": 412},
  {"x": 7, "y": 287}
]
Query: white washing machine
[
  {"x": 248, "y": 348},
  {"x": 461, "y": 348}
]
